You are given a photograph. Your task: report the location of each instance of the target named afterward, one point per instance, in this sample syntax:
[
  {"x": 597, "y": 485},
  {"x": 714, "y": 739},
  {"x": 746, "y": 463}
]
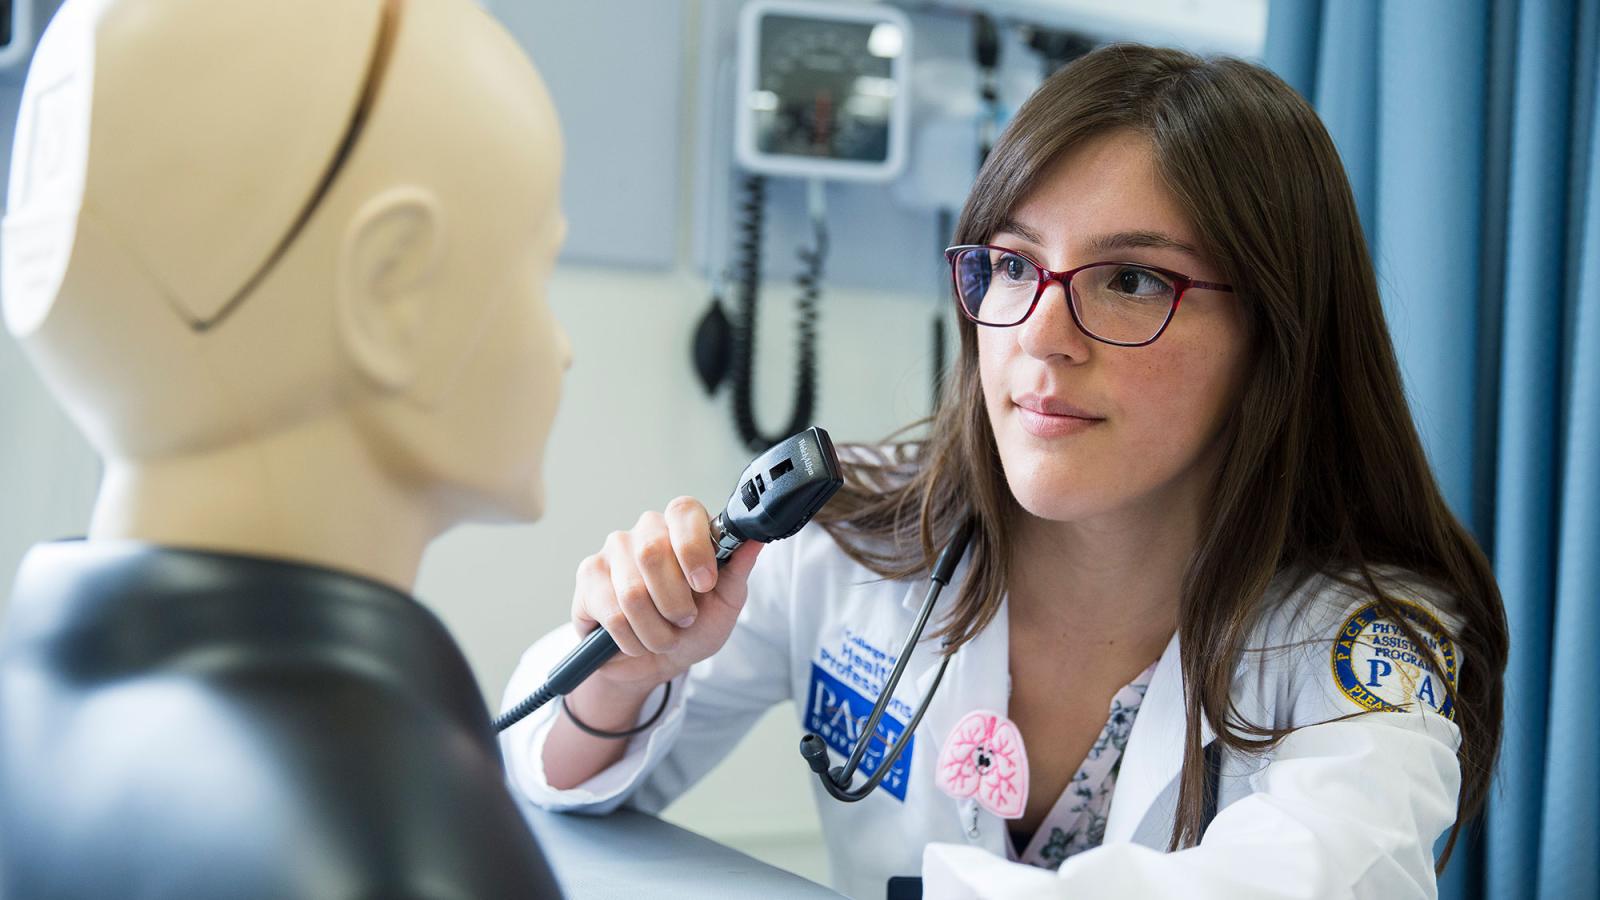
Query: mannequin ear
[{"x": 387, "y": 263}]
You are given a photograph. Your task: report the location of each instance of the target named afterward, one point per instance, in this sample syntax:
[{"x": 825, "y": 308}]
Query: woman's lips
[{"x": 1046, "y": 417}]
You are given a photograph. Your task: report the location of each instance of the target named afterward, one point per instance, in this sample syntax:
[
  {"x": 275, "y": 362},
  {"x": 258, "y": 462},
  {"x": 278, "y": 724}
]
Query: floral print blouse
[{"x": 1078, "y": 820}]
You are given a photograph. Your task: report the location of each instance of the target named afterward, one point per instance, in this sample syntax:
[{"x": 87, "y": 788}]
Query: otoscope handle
[{"x": 590, "y": 654}]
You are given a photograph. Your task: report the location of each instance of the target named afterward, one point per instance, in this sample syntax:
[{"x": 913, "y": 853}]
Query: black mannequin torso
[{"x": 186, "y": 724}]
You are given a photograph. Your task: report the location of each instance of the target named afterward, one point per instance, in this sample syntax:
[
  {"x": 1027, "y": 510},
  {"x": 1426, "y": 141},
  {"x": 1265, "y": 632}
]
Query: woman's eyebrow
[
  {"x": 1135, "y": 240},
  {"x": 1107, "y": 243},
  {"x": 1012, "y": 226}
]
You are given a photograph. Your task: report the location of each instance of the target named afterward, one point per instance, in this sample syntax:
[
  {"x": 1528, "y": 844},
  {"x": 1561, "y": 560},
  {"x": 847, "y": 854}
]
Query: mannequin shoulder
[{"x": 243, "y": 766}]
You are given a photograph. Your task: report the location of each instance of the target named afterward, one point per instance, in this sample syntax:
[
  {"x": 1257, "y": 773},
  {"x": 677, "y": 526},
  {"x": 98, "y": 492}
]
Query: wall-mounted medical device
[
  {"x": 822, "y": 94},
  {"x": 823, "y": 90},
  {"x": 16, "y": 33}
]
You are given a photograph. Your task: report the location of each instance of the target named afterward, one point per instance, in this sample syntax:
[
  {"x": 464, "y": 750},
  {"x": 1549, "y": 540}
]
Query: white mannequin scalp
[{"x": 174, "y": 157}]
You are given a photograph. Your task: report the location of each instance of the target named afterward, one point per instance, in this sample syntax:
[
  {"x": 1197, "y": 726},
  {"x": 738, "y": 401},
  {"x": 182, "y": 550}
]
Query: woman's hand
[{"x": 657, "y": 590}]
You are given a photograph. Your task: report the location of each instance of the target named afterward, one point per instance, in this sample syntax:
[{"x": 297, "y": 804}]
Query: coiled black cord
[
  {"x": 522, "y": 710},
  {"x": 752, "y": 211}
]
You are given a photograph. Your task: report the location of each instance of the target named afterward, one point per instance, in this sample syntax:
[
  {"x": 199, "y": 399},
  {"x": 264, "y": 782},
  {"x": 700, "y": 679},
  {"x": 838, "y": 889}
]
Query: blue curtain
[{"x": 1469, "y": 130}]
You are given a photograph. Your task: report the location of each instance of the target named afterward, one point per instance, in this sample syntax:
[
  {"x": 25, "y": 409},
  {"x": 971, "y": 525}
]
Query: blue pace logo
[{"x": 837, "y": 713}]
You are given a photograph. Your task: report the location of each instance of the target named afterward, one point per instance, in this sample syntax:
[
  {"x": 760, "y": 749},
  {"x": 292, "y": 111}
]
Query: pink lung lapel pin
[{"x": 983, "y": 758}]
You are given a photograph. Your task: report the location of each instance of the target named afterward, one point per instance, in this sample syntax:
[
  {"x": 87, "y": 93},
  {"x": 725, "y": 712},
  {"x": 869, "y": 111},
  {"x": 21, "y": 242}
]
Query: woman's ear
[{"x": 386, "y": 284}]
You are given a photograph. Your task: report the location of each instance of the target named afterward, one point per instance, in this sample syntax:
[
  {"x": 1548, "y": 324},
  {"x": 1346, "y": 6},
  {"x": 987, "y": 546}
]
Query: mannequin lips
[{"x": 1047, "y": 417}]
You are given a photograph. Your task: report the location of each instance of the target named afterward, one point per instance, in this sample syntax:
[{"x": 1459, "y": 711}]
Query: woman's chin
[{"x": 1057, "y": 499}]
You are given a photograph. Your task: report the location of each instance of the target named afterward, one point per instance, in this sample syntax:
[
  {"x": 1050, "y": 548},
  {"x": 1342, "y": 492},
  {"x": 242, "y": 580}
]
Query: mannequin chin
[
  {"x": 284, "y": 264},
  {"x": 321, "y": 314}
]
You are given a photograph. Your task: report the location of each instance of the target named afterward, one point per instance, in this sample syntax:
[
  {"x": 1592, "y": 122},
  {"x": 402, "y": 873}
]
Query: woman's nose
[{"x": 1051, "y": 329}]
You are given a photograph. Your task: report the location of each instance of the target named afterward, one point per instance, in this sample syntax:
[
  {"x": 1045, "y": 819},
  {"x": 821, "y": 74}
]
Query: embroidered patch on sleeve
[{"x": 1379, "y": 668}]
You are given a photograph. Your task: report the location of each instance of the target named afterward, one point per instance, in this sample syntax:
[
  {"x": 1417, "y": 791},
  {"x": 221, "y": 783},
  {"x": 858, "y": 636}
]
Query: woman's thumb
[{"x": 733, "y": 582}]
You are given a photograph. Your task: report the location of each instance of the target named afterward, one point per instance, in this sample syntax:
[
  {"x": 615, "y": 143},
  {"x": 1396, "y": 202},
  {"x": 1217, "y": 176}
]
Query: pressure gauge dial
[{"x": 823, "y": 90}]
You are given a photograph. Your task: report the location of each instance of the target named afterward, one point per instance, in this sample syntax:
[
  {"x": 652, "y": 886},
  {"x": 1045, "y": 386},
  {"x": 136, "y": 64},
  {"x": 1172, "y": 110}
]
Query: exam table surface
[{"x": 628, "y": 855}]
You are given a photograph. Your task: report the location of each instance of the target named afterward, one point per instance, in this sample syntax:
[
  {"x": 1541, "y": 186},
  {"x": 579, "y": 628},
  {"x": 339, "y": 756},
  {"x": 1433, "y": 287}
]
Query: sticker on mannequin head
[
  {"x": 49, "y": 163},
  {"x": 983, "y": 758},
  {"x": 1380, "y": 669}
]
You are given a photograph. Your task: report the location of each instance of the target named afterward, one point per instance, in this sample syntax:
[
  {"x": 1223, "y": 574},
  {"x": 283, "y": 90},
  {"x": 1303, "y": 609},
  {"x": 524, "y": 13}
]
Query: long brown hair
[{"x": 1322, "y": 469}]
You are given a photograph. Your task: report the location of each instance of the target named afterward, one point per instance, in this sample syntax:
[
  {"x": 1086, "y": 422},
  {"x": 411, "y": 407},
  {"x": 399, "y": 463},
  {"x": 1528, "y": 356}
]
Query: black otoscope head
[{"x": 782, "y": 488}]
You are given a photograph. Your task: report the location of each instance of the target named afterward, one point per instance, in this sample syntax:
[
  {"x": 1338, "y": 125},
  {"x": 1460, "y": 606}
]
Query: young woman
[{"x": 1215, "y": 632}]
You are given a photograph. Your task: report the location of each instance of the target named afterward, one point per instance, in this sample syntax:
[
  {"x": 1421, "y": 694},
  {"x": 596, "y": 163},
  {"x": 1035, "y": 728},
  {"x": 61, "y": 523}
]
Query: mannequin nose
[{"x": 564, "y": 347}]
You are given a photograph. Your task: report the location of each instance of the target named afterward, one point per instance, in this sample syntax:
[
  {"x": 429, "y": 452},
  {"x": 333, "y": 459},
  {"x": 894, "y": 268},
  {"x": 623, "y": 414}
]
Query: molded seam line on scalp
[{"x": 388, "y": 28}]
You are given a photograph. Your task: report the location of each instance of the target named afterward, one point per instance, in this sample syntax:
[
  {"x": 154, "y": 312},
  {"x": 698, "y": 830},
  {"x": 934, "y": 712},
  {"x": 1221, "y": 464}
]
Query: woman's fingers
[
  {"x": 594, "y": 603},
  {"x": 656, "y": 558},
  {"x": 642, "y": 587},
  {"x": 719, "y": 610},
  {"x": 689, "y": 526},
  {"x": 636, "y": 610}
]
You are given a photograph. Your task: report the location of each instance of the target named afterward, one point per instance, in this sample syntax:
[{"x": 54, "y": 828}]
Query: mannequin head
[{"x": 276, "y": 256}]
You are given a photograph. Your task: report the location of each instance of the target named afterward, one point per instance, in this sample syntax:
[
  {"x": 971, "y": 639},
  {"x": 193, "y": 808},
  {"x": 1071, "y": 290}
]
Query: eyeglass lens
[{"x": 1118, "y": 302}]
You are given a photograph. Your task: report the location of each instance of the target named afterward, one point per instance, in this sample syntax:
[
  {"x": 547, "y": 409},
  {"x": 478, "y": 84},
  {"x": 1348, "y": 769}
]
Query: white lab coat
[{"x": 1338, "y": 809}]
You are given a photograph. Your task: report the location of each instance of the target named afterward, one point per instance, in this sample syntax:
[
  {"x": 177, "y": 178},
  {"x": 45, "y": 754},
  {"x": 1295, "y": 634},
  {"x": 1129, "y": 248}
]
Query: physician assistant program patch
[{"x": 1379, "y": 668}]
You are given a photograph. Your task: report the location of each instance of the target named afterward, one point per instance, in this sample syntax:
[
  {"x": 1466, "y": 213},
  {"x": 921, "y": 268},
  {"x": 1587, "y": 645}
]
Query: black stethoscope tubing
[{"x": 836, "y": 781}]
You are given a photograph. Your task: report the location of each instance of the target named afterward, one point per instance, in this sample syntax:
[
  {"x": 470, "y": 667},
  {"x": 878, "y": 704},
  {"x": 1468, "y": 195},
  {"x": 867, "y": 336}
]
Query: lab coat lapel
[
  {"x": 979, "y": 676},
  {"x": 1154, "y": 753}
]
